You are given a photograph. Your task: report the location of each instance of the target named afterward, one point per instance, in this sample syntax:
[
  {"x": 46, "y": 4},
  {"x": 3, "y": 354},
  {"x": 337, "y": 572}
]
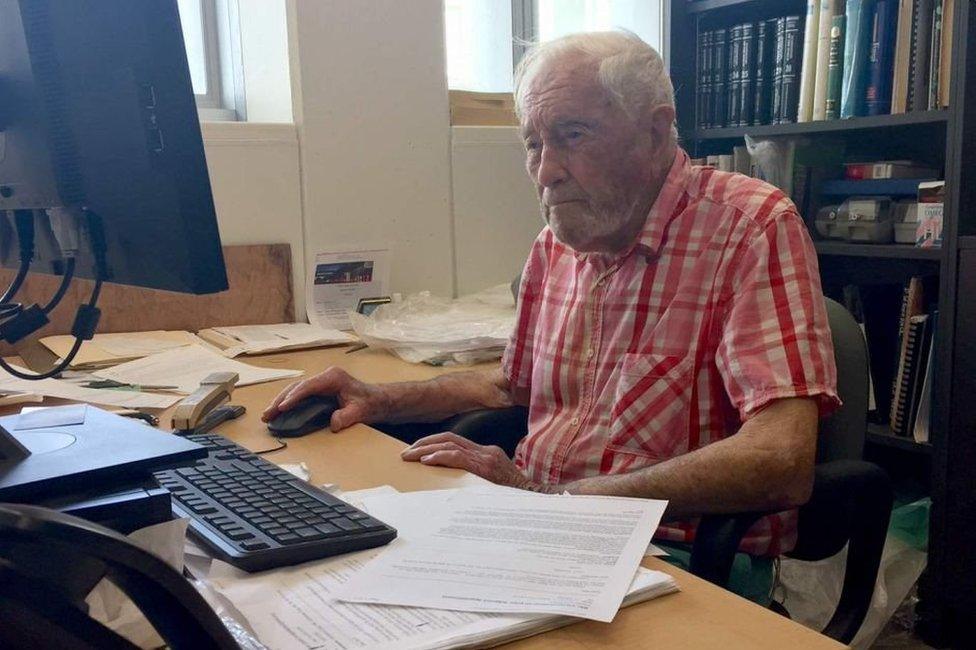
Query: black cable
[
  {"x": 69, "y": 274},
  {"x": 24, "y": 222},
  {"x": 281, "y": 445},
  {"x": 87, "y": 315}
]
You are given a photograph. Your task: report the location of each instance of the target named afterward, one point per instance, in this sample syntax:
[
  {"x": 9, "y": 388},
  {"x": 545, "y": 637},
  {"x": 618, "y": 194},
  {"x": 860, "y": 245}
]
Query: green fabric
[{"x": 751, "y": 577}]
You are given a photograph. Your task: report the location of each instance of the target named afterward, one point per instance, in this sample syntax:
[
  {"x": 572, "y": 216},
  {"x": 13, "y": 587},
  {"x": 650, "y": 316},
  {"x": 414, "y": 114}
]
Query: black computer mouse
[{"x": 307, "y": 415}]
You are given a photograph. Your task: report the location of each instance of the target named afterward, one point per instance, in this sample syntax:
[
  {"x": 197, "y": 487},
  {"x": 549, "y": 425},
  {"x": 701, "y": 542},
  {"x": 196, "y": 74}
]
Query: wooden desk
[{"x": 701, "y": 615}]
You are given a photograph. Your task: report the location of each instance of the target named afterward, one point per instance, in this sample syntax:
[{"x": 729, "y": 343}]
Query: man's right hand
[{"x": 358, "y": 401}]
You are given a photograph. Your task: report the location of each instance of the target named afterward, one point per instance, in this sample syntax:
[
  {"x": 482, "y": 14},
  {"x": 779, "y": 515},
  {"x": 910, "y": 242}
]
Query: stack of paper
[
  {"x": 186, "y": 367},
  {"x": 110, "y": 349},
  {"x": 262, "y": 339},
  {"x": 471, "y": 568},
  {"x": 63, "y": 389}
]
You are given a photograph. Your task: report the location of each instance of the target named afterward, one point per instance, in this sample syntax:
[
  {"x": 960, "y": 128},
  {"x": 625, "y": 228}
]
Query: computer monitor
[{"x": 97, "y": 113}]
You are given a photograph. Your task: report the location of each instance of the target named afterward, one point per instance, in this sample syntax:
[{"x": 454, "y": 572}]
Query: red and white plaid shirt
[{"x": 629, "y": 361}]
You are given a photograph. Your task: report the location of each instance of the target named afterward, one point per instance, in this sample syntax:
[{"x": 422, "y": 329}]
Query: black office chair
[
  {"x": 50, "y": 561},
  {"x": 851, "y": 501}
]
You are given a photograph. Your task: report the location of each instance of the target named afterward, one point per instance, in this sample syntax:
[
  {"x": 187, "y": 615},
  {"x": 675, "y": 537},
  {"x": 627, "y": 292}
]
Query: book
[
  {"x": 912, "y": 367},
  {"x": 882, "y": 58},
  {"x": 887, "y": 169},
  {"x": 823, "y": 60},
  {"x": 765, "y": 59},
  {"x": 720, "y": 81},
  {"x": 903, "y": 57},
  {"x": 931, "y": 207},
  {"x": 792, "y": 58},
  {"x": 922, "y": 421},
  {"x": 935, "y": 56},
  {"x": 702, "y": 81},
  {"x": 835, "y": 68},
  {"x": 747, "y": 73},
  {"x": 808, "y": 75},
  {"x": 913, "y": 304},
  {"x": 945, "y": 60},
  {"x": 860, "y": 19},
  {"x": 776, "y": 110},
  {"x": 918, "y": 75},
  {"x": 734, "y": 106}
]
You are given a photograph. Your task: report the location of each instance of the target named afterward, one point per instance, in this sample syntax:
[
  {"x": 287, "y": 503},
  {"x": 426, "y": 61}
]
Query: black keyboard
[{"x": 253, "y": 514}]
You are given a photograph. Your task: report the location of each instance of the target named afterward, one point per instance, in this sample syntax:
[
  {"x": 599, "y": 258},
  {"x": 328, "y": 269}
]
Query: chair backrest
[
  {"x": 46, "y": 557},
  {"x": 842, "y": 434}
]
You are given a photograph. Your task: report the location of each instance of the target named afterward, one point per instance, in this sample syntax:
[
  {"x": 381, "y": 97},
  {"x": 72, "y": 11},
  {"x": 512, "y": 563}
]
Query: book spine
[
  {"x": 792, "y": 58},
  {"x": 860, "y": 14},
  {"x": 945, "y": 63},
  {"x": 823, "y": 61},
  {"x": 881, "y": 60},
  {"x": 735, "y": 74},
  {"x": 777, "y": 108},
  {"x": 836, "y": 61},
  {"x": 765, "y": 43},
  {"x": 747, "y": 79},
  {"x": 701, "y": 82},
  {"x": 721, "y": 71},
  {"x": 903, "y": 50},
  {"x": 921, "y": 53},
  {"x": 808, "y": 77},
  {"x": 935, "y": 59}
]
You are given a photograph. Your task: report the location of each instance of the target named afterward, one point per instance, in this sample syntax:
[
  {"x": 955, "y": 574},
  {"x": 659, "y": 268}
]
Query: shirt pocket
[{"x": 651, "y": 407}]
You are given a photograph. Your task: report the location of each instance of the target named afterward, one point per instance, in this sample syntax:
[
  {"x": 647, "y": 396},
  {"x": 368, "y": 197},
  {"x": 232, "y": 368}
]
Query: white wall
[
  {"x": 496, "y": 213},
  {"x": 257, "y": 188},
  {"x": 370, "y": 103}
]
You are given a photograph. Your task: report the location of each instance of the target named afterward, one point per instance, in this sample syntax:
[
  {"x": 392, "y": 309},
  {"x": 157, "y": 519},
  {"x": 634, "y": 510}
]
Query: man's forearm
[
  {"x": 766, "y": 466},
  {"x": 444, "y": 396}
]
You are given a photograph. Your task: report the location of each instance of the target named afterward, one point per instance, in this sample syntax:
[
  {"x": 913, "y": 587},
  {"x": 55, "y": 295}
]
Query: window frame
[{"x": 224, "y": 100}]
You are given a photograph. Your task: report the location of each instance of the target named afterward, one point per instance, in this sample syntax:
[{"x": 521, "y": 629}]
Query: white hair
[{"x": 631, "y": 71}]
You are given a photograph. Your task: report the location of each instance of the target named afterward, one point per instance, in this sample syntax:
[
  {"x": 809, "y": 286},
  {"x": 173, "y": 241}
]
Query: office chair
[
  {"x": 851, "y": 500},
  {"x": 49, "y": 562}
]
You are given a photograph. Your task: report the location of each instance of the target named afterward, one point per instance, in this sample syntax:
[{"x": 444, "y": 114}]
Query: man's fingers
[
  {"x": 416, "y": 453},
  {"x": 272, "y": 409},
  {"x": 458, "y": 459},
  {"x": 446, "y": 436},
  {"x": 352, "y": 413}
]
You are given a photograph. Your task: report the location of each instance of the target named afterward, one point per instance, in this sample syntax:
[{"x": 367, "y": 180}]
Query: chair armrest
[
  {"x": 717, "y": 541},
  {"x": 503, "y": 427}
]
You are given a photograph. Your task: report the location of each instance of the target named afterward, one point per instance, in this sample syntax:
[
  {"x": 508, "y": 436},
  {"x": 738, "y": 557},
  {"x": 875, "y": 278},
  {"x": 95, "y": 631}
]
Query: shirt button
[
  {"x": 574, "y": 421},
  {"x": 589, "y": 353}
]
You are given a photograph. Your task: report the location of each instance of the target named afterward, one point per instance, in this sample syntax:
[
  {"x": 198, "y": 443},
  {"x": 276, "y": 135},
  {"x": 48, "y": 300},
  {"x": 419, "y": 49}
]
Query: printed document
[
  {"x": 67, "y": 390},
  {"x": 186, "y": 367},
  {"x": 340, "y": 279},
  {"x": 261, "y": 339},
  {"x": 296, "y": 607},
  {"x": 490, "y": 550},
  {"x": 118, "y": 347}
]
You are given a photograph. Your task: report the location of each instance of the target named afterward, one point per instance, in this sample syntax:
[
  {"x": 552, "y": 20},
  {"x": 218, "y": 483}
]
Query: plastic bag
[
  {"x": 810, "y": 590},
  {"x": 422, "y": 328}
]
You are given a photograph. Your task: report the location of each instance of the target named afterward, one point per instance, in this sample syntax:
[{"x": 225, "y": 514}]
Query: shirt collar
[{"x": 667, "y": 205}]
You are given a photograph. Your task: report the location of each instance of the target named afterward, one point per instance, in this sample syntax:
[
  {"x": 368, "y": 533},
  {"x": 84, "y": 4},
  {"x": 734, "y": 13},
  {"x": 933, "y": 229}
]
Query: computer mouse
[{"x": 307, "y": 415}]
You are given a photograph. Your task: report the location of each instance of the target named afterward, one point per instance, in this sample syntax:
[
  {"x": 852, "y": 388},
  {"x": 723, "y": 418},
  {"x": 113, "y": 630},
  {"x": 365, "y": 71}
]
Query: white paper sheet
[
  {"x": 256, "y": 339},
  {"x": 186, "y": 367},
  {"x": 103, "y": 397},
  {"x": 339, "y": 279},
  {"x": 297, "y": 607},
  {"x": 499, "y": 551}
]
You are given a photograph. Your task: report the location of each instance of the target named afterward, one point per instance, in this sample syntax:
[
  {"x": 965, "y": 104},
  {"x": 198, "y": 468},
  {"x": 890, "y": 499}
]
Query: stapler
[{"x": 208, "y": 405}]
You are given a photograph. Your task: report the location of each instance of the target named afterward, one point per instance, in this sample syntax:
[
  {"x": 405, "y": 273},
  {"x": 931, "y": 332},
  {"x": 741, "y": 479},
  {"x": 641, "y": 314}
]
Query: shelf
[
  {"x": 832, "y": 126},
  {"x": 893, "y": 251},
  {"x": 708, "y": 5},
  {"x": 881, "y": 435}
]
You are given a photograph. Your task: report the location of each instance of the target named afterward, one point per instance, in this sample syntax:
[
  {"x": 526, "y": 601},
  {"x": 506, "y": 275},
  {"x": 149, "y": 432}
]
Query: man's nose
[{"x": 552, "y": 170}]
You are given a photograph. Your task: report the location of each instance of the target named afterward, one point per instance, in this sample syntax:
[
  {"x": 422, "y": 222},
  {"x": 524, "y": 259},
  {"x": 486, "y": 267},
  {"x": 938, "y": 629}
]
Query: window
[
  {"x": 213, "y": 54},
  {"x": 483, "y": 36}
]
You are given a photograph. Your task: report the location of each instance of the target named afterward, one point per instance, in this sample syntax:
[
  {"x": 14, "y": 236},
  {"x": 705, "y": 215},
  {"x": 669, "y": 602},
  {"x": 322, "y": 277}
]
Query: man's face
[{"x": 592, "y": 164}]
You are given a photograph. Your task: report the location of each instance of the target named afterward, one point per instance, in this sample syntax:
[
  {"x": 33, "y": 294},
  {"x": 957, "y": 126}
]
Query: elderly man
[{"x": 671, "y": 339}]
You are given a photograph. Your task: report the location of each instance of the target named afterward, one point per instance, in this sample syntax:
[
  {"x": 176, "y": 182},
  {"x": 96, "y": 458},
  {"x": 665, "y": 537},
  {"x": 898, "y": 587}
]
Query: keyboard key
[
  {"x": 254, "y": 545},
  {"x": 288, "y": 537},
  {"x": 371, "y": 524},
  {"x": 329, "y": 530},
  {"x": 308, "y": 533},
  {"x": 345, "y": 524},
  {"x": 237, "y": 533}
]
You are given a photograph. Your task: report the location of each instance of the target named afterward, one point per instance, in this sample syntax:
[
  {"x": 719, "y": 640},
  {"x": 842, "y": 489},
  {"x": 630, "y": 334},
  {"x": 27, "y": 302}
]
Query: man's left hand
[{"x": 489, "y": 462}]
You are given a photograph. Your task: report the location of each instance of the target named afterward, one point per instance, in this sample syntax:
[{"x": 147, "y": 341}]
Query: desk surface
[{"x": 701, "y": 615}]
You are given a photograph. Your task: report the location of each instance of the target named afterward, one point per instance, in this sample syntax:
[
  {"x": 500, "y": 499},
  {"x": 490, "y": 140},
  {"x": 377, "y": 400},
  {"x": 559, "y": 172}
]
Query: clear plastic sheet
[{"x": 422, "y": 328}]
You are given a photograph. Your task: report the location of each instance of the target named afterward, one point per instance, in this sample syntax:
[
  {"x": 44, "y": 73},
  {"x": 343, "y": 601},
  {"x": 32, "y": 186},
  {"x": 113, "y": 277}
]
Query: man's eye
[
  {"x": 531, "y": 145},
  {"x": 572, "y": 136}
]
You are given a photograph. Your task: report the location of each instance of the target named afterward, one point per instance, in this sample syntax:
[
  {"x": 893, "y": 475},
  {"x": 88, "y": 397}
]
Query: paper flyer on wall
[{"x": 340, "y": 279}]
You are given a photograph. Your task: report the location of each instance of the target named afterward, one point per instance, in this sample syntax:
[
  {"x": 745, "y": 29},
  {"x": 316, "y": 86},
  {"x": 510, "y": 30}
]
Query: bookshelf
[{"x": 946, "y": 465}]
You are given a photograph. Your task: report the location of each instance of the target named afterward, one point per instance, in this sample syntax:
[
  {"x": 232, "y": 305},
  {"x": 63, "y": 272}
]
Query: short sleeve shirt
[{"x": 634, "y": 359}]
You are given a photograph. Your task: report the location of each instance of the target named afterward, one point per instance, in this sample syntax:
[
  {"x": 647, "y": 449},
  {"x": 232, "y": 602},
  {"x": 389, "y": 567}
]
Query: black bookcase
[{"x": 946, "y": 467}]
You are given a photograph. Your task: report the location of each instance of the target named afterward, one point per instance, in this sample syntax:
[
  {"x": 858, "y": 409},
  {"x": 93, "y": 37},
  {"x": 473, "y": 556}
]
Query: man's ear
[{"x": 659, "y": 124}]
